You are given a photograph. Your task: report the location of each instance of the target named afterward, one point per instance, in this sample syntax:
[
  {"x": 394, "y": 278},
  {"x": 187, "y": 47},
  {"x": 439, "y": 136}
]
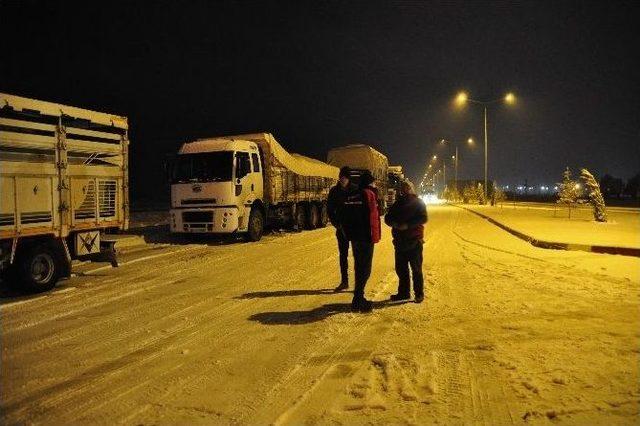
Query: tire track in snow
[{"x": 214, "y": 324}]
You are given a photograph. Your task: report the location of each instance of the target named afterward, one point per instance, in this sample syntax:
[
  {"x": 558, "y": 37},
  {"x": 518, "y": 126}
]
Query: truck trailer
[
  {"x": 240, "y": 184},
  {"x": 394, "y": 179},
  {"x": 360, "y": 157},
  {"x": 63, "y": 185}
]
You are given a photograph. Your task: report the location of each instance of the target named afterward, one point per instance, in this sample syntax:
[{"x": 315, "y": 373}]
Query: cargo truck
[
  {"x": 241, "y": 184},
  {"x": 63, "y": 185},
  {"x": 394, "y": 179},
  {"x": 360, "y": 157}
]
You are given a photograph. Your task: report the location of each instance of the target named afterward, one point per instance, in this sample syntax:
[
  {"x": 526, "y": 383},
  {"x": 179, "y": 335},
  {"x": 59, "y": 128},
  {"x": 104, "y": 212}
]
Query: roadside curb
[{"x": 623, "y": 251}]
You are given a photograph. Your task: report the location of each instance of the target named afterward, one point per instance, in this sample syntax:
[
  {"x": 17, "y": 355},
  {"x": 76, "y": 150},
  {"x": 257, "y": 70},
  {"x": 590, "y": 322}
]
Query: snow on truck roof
[
  {"x": 19, "y": 103},
  {"x": 357, "y": 156},
  {"x": 299, "y": 164}
]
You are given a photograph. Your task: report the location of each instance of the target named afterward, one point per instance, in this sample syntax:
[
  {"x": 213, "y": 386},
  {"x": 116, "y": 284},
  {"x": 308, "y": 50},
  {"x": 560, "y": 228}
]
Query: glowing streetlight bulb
[
  {"x": 470, "y": 141},
  {"x": 510, "y": 98},
  {"x": 435, "y": 157},
  {"x": 461, "y": 99}
]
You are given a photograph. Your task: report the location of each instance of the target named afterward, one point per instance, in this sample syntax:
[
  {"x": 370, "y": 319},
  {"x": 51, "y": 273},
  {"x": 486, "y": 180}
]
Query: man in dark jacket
[
  {"x": 407, "y": 217},
  {"x": 361, "y": 224},
  {"x": 335, "y": 202}
]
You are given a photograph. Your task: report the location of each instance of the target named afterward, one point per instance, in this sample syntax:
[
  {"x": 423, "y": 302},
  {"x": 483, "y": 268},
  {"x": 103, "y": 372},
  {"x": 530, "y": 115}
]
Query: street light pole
[
  {"x": 444, "y": 174},
  {"x": 485, "y": 154},
  {"x": 456, "y": 162},
  {"x": 462, "y": 99}
]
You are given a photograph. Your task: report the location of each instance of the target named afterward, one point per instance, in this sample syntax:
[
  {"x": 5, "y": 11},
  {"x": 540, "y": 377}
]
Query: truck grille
[
  {"x": 107, "y": 198},
  {"x": 193, "y": 201},
  {"x": 197, "y": 217}
]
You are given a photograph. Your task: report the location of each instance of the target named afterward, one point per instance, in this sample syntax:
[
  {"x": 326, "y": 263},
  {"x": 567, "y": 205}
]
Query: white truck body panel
[{"x": 56, "y": 175}]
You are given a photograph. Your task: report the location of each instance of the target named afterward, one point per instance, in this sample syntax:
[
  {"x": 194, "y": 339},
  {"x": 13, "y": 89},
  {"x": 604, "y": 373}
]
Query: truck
[
  {"x": 63, "y": 185},
  {"x": 241, "y": 184},
  {"x": 360, "y": 157},
  {"x": 394, "y": 178}
]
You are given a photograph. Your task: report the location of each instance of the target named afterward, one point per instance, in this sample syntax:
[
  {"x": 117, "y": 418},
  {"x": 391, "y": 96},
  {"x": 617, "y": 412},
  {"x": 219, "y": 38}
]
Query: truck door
[
  {"x": 244, "y": 185},
  {"x": 257, "y": 183}
]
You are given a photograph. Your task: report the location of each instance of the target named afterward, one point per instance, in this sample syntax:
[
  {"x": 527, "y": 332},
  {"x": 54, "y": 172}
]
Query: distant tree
[
  {"x": 632, "y": 188},
  {"x": 455, "y": 195},
  {"x": 568, "y": 190},
  {"x": 497, "y": 195},
  {"x": 480, "y": 194},
  {"x": 611, "y": 186},
  {"x": 469, "y": 194},
  {"x": 595, "y": 196}
]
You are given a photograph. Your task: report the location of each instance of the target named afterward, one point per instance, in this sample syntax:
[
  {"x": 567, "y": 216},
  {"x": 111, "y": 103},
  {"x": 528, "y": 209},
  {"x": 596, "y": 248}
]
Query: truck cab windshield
[{"x": 203, "y": 167}]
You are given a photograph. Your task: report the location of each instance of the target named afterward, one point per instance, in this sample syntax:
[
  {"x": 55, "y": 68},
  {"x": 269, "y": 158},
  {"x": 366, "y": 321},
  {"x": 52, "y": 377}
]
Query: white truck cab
[{"x": 214, "y": 185}]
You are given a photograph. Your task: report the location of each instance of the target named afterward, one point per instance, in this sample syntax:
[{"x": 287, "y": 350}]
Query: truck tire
[
  {"x": 313, "y": 217},
  {"x": 300, "y": 219},
  {"x": 256, "y": 226},
  {"x": 39, "y": 268},
  {"x": 324, "y": 215}
]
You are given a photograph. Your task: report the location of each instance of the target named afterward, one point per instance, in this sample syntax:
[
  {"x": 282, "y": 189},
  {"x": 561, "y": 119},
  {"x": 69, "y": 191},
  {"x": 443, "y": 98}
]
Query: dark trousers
[
  {"x": 343, "y": 248},
  {"x": 406, "y": 258},
  {"x": 363, "y": 257}
]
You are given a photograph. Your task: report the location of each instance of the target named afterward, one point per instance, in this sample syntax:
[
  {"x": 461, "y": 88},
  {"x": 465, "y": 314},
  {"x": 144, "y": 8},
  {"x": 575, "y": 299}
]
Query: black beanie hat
[
  {"x": 345, "y": 171},
  {"x": 366, "y": 178}
]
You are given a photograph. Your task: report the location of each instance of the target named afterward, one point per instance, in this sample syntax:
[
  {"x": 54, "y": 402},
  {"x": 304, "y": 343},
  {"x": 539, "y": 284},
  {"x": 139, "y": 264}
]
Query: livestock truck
[
  {"x": 360, "y": 157},
  {"x": 63, "y": 184},
  {"x": 240, "y": 184}
]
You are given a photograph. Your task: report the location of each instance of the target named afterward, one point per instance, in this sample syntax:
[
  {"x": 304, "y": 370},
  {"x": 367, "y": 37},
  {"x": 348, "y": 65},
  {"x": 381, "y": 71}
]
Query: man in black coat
[
  {"x": 335, "y": 202},
  {"x": 407, "y": 217}
]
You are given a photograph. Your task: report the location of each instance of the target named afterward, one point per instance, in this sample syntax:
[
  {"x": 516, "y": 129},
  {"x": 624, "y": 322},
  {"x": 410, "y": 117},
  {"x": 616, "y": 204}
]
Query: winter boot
[
  {"x": 399, "y": 296},
  {"x": 361, "y": 305},
  {"x": 341, "y": 287}
]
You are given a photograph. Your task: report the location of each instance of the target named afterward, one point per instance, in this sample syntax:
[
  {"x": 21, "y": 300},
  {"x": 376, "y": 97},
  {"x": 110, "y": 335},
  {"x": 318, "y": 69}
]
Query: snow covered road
[{"x": 252, "y": 334}]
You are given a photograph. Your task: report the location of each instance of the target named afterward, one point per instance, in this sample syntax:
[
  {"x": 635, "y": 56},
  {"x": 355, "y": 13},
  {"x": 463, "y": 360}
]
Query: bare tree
[{"x": 568, "y": 190}]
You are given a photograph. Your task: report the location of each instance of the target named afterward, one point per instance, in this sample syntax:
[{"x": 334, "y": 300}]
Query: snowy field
[
  {"x": 251, "y": 334},
  {"x": 552, "y": 223}
]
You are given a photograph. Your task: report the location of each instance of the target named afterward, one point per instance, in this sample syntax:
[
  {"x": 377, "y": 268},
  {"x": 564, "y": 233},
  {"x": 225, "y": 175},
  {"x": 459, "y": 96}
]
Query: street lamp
[
  {"x": 455, "y": 157},
  {"x": 462, "y": 98}
]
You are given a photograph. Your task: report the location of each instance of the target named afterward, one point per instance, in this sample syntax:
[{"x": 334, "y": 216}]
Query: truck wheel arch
[{"x": 46, "y": 247}]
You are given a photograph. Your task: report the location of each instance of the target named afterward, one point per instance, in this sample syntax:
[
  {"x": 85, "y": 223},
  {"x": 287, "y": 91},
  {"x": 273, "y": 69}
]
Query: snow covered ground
[
  {"x": 552, "y": 223},
  {"x": 232, "y": 333}
]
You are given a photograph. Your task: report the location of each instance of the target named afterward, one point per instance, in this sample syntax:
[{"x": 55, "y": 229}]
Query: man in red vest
[{"x": 361, "y": 223}]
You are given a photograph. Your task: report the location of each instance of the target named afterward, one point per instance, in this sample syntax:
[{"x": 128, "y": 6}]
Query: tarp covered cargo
[
  {"x": 358, "y": 156},
  {"x": 361, "y": 157},
  {"x": 298, "y": 164}
]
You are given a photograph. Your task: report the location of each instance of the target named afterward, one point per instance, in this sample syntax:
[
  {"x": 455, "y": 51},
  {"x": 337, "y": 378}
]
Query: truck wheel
[
  {"x": 324, "y": 215},
  {"x": 39, "y": 269},
  {"x": 313, "y": 219},
  {"x": 256, "y": 225},
  {"x": 300, "y": 219}
]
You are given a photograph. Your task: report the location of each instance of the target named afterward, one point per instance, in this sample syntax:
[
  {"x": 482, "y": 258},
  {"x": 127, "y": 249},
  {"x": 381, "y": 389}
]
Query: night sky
[{"x": 325, "y": 74}]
